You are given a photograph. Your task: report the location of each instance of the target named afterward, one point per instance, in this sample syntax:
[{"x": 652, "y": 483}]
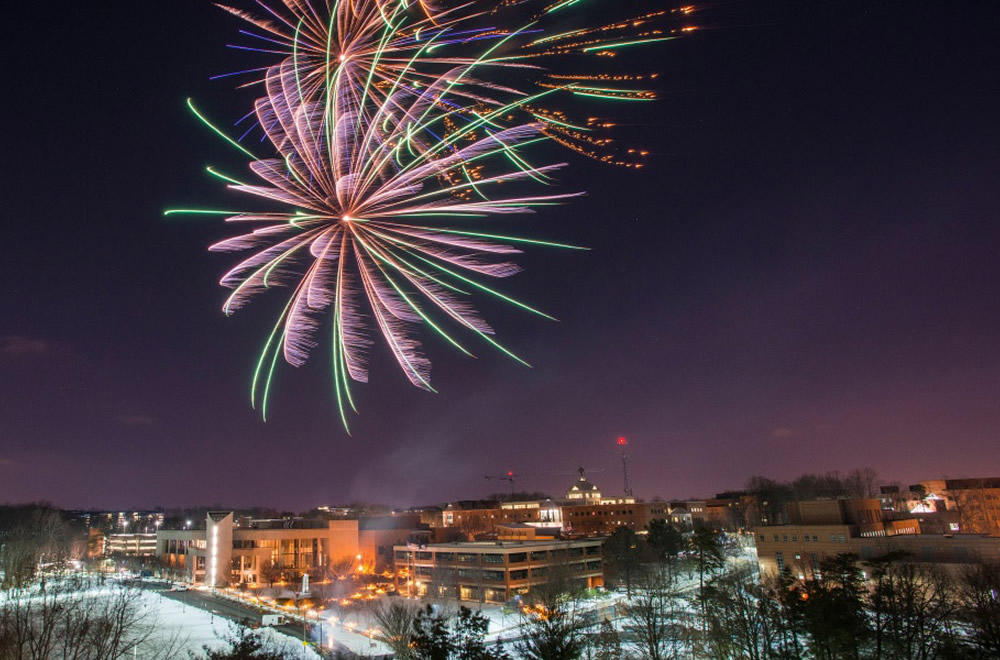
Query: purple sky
[{"x": 805, "y": 278}]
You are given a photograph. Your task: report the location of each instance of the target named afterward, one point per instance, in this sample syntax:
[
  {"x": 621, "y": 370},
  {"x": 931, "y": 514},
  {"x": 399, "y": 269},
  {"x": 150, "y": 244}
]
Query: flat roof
[{"x": 500, "y": 545}]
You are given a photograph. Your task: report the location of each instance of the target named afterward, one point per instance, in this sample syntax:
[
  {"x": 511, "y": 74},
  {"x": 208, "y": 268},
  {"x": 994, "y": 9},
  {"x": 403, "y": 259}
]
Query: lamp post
[
  {"x": 319, "y": 623},
  {"x": 301, "y": 608}
]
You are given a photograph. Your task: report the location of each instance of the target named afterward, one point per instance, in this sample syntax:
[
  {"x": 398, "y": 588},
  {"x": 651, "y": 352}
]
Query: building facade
[
  {"x": 826, "y": 528},
  {"x": 584, "y": 511},
  {"x": 265, "y": 551},
  {"x": 130, "y": 545},
  {"x": 495, "y": 571},
  {"x": 970, "y": 506}
]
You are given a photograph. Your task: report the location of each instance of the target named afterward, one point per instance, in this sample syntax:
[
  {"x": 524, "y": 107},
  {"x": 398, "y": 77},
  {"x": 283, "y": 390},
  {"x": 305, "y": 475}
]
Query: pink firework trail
[{"x": 389, "y": 143}]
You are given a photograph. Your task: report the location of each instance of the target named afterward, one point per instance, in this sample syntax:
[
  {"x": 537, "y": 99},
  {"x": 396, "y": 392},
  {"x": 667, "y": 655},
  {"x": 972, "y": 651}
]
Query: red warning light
[
  {"x": 622, "y": 440},
  {"x": 510, "y": 474}
]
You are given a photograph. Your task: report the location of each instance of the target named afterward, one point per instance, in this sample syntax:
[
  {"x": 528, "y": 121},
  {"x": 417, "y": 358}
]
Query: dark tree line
[
  {"x": 30, "y": 535},
  {"x": 770, "y": 497},
  {"x": 889, "y": 608},
  {"x": 684, "y": 600}
]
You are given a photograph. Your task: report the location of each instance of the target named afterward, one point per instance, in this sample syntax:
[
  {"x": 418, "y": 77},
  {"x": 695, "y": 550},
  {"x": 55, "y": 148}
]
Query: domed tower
[{"x": 583, "y": 490}]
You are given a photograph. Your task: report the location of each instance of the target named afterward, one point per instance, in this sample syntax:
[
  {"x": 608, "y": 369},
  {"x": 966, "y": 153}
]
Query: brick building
[
  {"x": 495, "y": 571},
  {"x": 826, "y": 528}
]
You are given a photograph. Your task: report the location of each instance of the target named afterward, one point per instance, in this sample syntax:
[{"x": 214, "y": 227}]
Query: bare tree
[
  {"x": 607, "y": 644},
  {"x": 653, "y": 616},
  {"x": 269, "y": 571},
  {"x": 912, "y": 608},
  {"x": 861, "y": 483},
  {"x": 68, "y": 622},
  {"x": 980, "y": 589},
  {"x": 742, "y": 619},
  {"x": 770, "y": 499},
  {"x": 341, "y": 567},
  {"x": 395, "y": 621}
]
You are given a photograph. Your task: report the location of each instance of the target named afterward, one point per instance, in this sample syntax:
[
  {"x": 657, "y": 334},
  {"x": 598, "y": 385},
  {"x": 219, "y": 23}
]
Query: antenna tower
[{"x": 623, "y": 443}]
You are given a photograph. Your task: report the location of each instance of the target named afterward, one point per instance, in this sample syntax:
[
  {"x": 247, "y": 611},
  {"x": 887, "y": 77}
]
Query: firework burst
[
  {"x": 390, "y": 135},
  {"x": 364, "y": 238},
  {"x": 368, "y": 44}
]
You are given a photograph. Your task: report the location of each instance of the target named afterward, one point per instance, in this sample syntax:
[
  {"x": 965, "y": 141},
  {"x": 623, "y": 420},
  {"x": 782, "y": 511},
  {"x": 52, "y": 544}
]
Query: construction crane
[
  {"x": 509, "y": 477},
  {"x": 623, "y": 443}
]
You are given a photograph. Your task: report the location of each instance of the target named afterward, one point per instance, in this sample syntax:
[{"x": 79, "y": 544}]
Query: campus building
[
  {"x": 495, "y": 571},
  {"x": 474, "y": 518},
  {"x": 603, "y": 518},
  {"x": 108, "y": 522},
  {"x": 130, "y": 545},
  {"x": 970, "y": 506},
  {"x": 260, "y": 551},
  {"x": 584, "y": 511},
  {"x": 826, "y": 528}
]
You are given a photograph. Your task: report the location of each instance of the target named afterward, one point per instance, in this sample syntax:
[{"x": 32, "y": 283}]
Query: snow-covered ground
[
  {"x": 164, "y": 625},
  {"x": 191, "y": 629}
]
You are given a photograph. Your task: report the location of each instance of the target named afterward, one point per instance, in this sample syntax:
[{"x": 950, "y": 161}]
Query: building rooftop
[{"x": 485, "y": 545}]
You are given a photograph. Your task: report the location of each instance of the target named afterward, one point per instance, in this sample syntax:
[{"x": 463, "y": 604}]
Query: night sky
[{"x": 804, "y": 278}]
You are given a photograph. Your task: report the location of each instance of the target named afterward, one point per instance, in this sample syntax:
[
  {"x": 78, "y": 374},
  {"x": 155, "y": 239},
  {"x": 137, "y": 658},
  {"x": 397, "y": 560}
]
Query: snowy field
[
  {"x": 191, "y": 629},
  {"x": 166, "y": 627}
]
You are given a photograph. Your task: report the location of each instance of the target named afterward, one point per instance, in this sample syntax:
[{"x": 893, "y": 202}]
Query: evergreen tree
[
  {"x": 469, "y": 635},
  {"x": 665, "y": 543},
  {"x": 708, "y": 556},
  {"x": 834, "y": 613},
  {"x": 622, "y": 556},
  {"x": 431, "y": 638}
]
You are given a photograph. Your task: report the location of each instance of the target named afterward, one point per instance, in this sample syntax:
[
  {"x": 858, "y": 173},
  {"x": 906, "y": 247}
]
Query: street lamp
[{"x": 319, "y": 624}]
